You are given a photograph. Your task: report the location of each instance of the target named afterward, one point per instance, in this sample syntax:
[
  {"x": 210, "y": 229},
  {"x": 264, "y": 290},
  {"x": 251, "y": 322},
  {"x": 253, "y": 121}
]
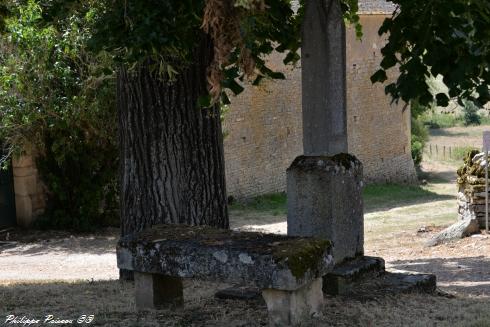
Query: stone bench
[{"x": 288, "y": 270}]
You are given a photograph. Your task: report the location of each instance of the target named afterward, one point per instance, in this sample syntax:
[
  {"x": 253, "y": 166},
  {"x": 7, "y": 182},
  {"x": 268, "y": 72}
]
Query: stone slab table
[{"x": 288, "y": 270}]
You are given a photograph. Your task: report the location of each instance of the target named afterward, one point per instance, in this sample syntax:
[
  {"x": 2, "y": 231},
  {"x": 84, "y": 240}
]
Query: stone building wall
[
  {"x": 263, "y": 129},
  {"x": 29, "y": 190},
  {"x": 264, "y": 124},
  {"x": 378, "y": 131}
]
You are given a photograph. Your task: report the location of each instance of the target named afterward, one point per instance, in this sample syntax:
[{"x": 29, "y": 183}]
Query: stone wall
[
  {"x": 471, "y": 205},
  {"x": 378, "y": 131},
  {"x": 263, "y": 131},
  {"x": 29, "y": 190},
  {"x": 264, "y": 124}
]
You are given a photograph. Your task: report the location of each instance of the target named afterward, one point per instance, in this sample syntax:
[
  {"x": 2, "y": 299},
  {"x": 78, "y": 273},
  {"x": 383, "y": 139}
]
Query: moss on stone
[
  {"x": 297, "y": 253},
  {"x": 301, "y": 255},
  {"x": 470, "y": 173},
  {"x": 344, "y": 159},
  {"x": 469, "y": 156}
]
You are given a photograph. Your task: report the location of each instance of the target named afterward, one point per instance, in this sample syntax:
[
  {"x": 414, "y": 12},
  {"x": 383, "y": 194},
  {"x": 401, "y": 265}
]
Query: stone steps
[
  {"x": 347, "y": 275},
  {"x": 363, "y": 277},
  {"x": 368, "y": 275},
  {"x": 392, "y": 282},
  {"x": 405, "y": 281}
]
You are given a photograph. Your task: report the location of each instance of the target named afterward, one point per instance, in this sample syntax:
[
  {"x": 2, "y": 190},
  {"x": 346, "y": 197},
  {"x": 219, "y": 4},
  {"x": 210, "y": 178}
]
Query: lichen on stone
[
  {"x": 345, "y": 160},
  {"x": 301, "y": 255},
  {"x": 472, "y": 172},
  {"x": 340, "y": 162}
]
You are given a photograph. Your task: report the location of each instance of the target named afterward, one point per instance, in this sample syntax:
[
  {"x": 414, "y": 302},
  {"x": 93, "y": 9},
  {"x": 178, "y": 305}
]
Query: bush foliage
[
  {"x": 471, "y": 116},
  {"x": 420, "y": 134},
  {"x": 58, "y": 100}
]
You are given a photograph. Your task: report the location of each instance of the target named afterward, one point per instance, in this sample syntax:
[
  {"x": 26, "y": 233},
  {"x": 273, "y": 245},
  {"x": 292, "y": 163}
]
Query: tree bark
[{"x": 172, "y": 164}]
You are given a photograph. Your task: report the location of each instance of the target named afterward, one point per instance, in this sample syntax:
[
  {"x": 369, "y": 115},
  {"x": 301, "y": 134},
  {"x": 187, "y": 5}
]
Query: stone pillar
[
  {"x": 291, "y": 308},
  {"x": 29, "y": 190},
  {"x": 155, "y": 291},
  {"x": 325, "y": 201},
  {"x": 323, "y": 65}
]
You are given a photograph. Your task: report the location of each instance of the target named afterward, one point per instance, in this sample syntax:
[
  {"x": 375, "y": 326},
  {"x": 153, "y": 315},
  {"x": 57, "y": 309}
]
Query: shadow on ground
[
  {"x": 438, "y": 177},
  {"x": 446, "y": 132},
  {"x": 469, "y": 275},
  {"x": 112, "y": 304},
  {"x": 36, "y": 242},
  {"x": 386, "y": 197}
]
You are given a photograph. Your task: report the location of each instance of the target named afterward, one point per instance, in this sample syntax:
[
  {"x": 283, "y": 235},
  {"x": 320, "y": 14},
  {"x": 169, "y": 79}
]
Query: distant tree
[
  {"x": 471, "y": 116},
  {"x": 438, "y": 38}
]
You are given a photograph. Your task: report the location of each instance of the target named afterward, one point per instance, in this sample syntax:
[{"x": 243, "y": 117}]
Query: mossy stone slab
[{"x": 262, "y": 260}]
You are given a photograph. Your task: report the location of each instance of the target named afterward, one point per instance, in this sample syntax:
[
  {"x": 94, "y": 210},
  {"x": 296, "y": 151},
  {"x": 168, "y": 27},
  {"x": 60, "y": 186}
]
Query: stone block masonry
[
  {"x": 318, "y": 187},
  {"x": 471, "y": 205},
  {"x": 30, "y": 193},
  {"x": 264, "y": 124},
  {"x": 471, "y": 193}
]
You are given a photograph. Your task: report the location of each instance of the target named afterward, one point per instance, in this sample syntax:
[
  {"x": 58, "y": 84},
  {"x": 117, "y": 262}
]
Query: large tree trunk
[{"x": 172, "y": 165}]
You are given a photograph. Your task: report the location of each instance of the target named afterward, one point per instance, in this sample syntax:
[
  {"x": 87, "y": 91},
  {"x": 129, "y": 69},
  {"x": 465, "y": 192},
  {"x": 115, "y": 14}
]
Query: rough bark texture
[{"x": 172, "y": 166}]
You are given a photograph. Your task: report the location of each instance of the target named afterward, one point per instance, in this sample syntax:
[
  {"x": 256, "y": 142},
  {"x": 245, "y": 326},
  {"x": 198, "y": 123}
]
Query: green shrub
[
  {"x": 58, "y": 99},
  {"x": 417, "y": 151},
  {"x": 81, "y": 181},
  {"x": 461, "y": 152},
  {"x": 273, "y": 203},
  {"x": 420, "y": 135},
  {"x": 438, "y": 120},
  {"x": 471, "y": 116}
]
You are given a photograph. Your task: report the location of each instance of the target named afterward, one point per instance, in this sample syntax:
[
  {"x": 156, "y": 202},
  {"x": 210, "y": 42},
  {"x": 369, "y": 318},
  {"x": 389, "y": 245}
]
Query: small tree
[
  {"x": 57, "y": 98},
  {"x": 471, "y": 116},
  {"x": 419, "y": 132}
]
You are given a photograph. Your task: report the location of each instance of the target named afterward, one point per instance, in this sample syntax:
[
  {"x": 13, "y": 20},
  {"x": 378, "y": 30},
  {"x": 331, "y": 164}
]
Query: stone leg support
[
  {"x": 289, "y": 308},
  {"x": 155, "y": 291}
]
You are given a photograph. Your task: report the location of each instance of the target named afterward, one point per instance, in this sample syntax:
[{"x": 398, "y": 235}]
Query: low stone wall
[
  {"x": 30, "y": 192},
  {"x": 471, "y": 182},
  {"x": 471, "y": 202}
]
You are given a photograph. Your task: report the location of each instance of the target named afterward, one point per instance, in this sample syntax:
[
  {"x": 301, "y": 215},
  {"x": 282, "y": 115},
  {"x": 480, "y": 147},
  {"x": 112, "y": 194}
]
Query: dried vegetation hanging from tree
[{"x": 222, "y": 21}]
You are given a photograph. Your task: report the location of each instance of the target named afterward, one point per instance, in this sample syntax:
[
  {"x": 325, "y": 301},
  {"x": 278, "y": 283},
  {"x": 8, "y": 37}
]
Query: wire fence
[{"x": 446, "y": 152}]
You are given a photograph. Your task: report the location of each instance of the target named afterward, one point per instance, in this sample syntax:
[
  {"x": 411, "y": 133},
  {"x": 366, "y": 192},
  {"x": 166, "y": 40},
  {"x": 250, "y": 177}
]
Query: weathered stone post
[
  {"x": 325, "y": 201},
  {"x": 325, "y": 187},
  {"x": 323, "y": 74}
]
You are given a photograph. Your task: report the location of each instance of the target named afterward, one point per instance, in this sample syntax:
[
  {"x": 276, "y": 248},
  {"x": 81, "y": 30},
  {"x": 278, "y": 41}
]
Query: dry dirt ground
[{"x": 63, "y": 275}]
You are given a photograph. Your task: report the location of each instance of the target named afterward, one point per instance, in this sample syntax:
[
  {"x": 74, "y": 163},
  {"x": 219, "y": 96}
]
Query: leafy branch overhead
[
  {"x": 244, "y": 33},
  {"x": 427, "y": 39}
]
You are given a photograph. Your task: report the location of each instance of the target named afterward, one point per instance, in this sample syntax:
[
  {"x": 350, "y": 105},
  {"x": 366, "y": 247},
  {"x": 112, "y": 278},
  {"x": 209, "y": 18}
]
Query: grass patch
[
  {"x": 485, "y": 120},
  {"x": 379, "y": 196},
  {"x": 446, "y": 120},
  {"x": 274, "y": 204},
  {"x": 376, "y": 196},
  {"x": 437, "y": 120},
  {"x": 459, "y": 152}
]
